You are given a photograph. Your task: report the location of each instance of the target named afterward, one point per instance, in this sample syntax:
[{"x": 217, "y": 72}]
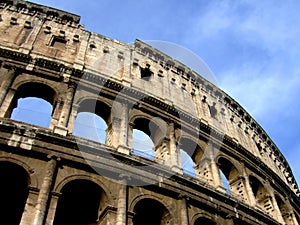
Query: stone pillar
[
  {"x": 250, "y": 194},
  {"x": 184, "y": 218},
  {"x": 61, "y": 127},
  {"x": 119, "y": 127},
  {"x": 29, "y": 209},
  {"x": 44, "y": 193},
  {"x": 72, "y": 117},
  {"x": 6, "y": 82},
  {"x": 217, "y": 180},
  {"x": 174, "y": 151},
  {"x": 52, "y": 208},
  {"x": 130, "y": 135},
  {"x": 276, "y": 208},
  {"x": 5, "y": 109},
  {"x": 122, "y": 201}
]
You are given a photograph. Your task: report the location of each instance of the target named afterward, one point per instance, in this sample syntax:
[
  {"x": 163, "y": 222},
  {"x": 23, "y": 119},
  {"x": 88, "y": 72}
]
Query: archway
[
  {"x": 261, "y": 195},
  {"x": 191, "y": 155},
  {"x": 33, "y": 103},
  {"x": 90, "y": 126},
  {"x": 283, "y": 210},
  {"x": 148, "y": 136},
  {"x": 229, "y": 174},
  {"x": 151, "y": 212},
  {"x": 142, "y": 144},
  {"x": 92, "y": 120},
  {"x": 13, "y": 192},
  {"x": 80, "y": 203},
  {"x": 33, "y": 110}
]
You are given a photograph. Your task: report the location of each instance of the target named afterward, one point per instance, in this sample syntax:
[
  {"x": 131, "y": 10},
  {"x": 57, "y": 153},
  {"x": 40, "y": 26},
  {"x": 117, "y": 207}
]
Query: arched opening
[
  {"x": 187, "y": 164},
  {"x": 34, "y": 111},
  {"x": 191, "y": 155},
  {"x": 283, "y": 210},
  {"x": 90, "y": 126},
  {"x": 147, "y": 138},
  {"x": 142, "y": 144},
  {"x": 225, "y": 181},
  {"x": 204, "y": 221},
  {"x": 151, "y": 212},
  {"x": 92, "y": 121},
  {"x": 229, "y": 175},
  {"x": 33, "y": 103},
  {"x": 81, "y": 202},
  {"x": 13, "y": 192},
  {"x": 261, "y": 195}
]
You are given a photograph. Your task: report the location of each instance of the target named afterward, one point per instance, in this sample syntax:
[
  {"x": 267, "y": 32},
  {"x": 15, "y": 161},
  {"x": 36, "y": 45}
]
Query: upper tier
[{"x": 50, "y": 40}]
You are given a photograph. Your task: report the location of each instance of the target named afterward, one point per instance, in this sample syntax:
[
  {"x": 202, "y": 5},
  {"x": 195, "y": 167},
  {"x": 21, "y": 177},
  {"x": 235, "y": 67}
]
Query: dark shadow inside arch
[
  {"x": 150, "y": 212},
  {"x": 204, "y": 221},
  {"x": 261, "y": 195},
  {"x": 13, "y": 193},
  {"x": 256, "y": 186},
  {"x": 81, "y": 202},
  {"x": 33, "y": 103},
  {"x": 284, "y": 210},
  {"x": 228, "y": 172}
]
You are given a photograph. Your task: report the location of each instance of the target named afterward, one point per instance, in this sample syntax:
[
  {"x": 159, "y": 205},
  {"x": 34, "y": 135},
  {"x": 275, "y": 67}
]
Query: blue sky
[{"x": 252, "y": 47}]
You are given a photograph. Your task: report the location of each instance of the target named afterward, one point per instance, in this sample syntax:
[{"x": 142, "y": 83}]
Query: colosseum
[{"x": 206, "y": 160}]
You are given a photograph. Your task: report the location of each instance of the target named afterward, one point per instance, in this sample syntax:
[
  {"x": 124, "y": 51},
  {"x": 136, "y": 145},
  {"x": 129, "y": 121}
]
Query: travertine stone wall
[{"x": 47, "y": 53}]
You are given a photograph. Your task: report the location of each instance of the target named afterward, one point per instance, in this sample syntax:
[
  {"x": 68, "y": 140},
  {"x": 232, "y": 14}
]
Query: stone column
[
  {"x": 276, "y": 208},
  {"x": 119, "y": 127},
  {"x": 61, "y": 127},
  {"x": 122, "y": 201},
  {"x": 52, "y": 208},
  {"x": 250, "y": 194},
  {"x": 29, "y": 209},
  {"x": 175, "y": 159},
  {"x": 6, "y": 83},
  {"x": 5, "y": 109},
  {"x": 217, "y": 180},
  {"x": 72, "y": 117},
  {"x": 44, "y": 193},
  {"x": 183, "y": 210}
]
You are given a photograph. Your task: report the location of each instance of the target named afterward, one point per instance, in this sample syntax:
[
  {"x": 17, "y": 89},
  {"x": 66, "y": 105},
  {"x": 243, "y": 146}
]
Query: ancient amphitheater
[{"x": 50, "y": 175}]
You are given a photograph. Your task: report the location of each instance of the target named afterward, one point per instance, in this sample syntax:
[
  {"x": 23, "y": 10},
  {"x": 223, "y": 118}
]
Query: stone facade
[{"x": 50, "y": 176}]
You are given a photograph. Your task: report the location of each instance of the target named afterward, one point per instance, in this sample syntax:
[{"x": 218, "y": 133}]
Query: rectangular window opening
[{"x": 58, "y": 42}]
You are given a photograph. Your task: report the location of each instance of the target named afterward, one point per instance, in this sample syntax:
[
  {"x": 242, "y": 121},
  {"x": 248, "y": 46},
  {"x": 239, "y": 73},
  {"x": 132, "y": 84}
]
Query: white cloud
[{"x": 261, "y": 93}]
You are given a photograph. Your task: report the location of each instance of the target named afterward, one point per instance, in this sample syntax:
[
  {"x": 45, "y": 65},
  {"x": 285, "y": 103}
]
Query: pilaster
[
  {"x": 184, "y": 218},
  {"x": 8, "y": 78},
  {"x": 29, "y": 209},
  {"x": 7, "y": 103},
  {"x": 119, "y": 127},
  {"x": 44, "y": 193},
  {"x": 52, "y": 208},
  {"x": 61, "y": 127},
  {"x": 121, "y": 218}
]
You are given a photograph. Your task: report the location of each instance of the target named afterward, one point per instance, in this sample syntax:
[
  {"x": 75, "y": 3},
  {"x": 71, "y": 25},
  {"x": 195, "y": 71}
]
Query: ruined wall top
[{"x": 40, "y": 11}]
